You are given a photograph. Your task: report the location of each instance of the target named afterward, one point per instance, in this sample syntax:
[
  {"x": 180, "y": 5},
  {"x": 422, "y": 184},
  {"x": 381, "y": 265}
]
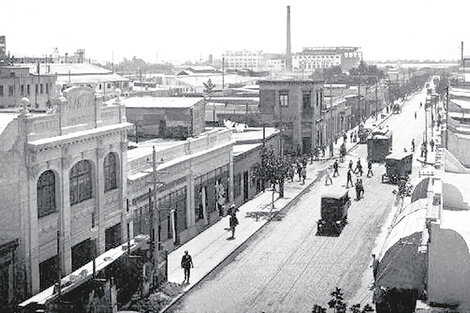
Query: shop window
[
  {"x": 110, "y": 166},
  {"x": 80, "y": 182},
  {"x": 46, "y": 198},
  {"x": 1, "y": 90}
]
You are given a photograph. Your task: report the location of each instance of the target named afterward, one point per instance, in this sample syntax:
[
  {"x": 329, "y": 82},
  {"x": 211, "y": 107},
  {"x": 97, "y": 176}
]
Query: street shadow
[{"x": 266, "y": 215}]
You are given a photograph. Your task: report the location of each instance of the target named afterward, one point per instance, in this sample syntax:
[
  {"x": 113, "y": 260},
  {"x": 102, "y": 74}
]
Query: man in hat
[{"x": 186, "y": 264}]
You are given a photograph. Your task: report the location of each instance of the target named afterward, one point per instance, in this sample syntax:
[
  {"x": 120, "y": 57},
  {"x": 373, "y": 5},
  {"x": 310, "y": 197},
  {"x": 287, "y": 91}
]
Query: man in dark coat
[
  {"x": 349, "y": 178},
  {"x": 186, "y": 264}
]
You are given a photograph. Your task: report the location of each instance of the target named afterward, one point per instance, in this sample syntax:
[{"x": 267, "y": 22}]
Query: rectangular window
[
  {"x": 27, "y": 89},
  {"x": 316, "y": 99},
  {"x": 47, "y": 88},
  {"x": 42, "y": 91},
  {"x": 284, "y": 98},
  {"x": 1, "y": 90},
  {"x": 37, "y": 88},
  {"x": 22, "y": 90},
  {"x": 11, "y": 91},
  {"x": 306, "y": 99}
]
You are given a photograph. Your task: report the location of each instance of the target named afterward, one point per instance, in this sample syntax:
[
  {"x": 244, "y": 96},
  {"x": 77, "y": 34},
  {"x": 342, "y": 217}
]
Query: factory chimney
[{"x": 288, "y": 46}]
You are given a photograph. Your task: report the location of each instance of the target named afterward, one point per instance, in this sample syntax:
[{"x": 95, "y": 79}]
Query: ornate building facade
[{"x": 63, "y": 188}]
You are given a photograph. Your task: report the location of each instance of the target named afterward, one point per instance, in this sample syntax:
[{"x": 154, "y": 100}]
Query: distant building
[
  {"x": 245, "y": 59},
  {"x": 166, "y": 117},
  {"x": 17, "y": 82},
  {"x": 103, "y": 81},
  {"x": 198, "y": 70},
  {"x": 276, "y": 65},
  {"x": 296, "y": 107},
  {"x": 310, "y": 59},
  {"x": 3, "y": 49}
]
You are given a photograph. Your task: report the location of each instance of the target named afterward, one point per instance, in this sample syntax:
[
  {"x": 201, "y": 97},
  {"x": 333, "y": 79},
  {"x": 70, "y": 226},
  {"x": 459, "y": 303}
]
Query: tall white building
[
  {"x": 310, "y": 59},
  {"x": 245, "y": 59}
]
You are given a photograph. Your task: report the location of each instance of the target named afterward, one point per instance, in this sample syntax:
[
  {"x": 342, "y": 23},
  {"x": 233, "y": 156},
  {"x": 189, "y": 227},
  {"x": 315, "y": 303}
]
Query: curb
[{"x": 319, "y": 174}]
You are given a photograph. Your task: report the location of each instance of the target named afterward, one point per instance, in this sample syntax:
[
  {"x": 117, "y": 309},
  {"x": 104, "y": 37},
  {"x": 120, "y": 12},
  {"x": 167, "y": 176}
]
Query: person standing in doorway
[{"x": 186, "y": 264}]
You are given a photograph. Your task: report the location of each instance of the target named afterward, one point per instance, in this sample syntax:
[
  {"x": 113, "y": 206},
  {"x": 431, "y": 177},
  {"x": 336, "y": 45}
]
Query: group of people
[
  {"x": 357, "y": 170},
  {"x": 298, "y": 166}
]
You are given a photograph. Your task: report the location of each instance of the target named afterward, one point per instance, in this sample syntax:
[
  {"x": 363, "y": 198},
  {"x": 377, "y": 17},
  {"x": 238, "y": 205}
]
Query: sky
[{"x": 179, "y": 30}]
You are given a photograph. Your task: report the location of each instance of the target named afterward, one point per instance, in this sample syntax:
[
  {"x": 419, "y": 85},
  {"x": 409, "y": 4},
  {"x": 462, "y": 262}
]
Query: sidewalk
[{"x": 213, "y": 246}]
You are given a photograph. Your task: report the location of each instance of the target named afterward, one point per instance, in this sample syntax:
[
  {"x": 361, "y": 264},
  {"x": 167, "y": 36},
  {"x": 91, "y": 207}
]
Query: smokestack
[
  {"x": 461, "y": 51},
  {"x": 288, "y": 46}
]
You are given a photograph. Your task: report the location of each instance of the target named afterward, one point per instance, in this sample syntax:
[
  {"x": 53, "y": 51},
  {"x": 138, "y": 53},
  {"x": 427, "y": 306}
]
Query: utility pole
[
  {"x": 223, "y": 72},
  {"x": 140, "y": 78},
  {"x": 447, "y": 116},
  {"x": 156, "y": 235},
  {"x": 376, "y": 98},
  {"x": 425, "y": 132}
]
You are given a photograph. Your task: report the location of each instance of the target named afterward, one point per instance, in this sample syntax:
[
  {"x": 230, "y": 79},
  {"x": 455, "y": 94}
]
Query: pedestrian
[
  {"x": 304, "y": 174},
  {"x": 299, "y": 171},
  {"x": 342, "y": 152},
  {"x": 431, "y": 143},
  {"x": 304, "y": 162},
  {"x": 423, "y": 147},
  {"x": 369, "y": 168},
  {"x": 350, "y": 165},
  {"x": 415, "y": 114},
  {"x": 323, "y": 151},
  {"x": 345, "y": 137},
  {"x": 351, "y": 134},
  {"x": 349, "y": 178},
  {"x": 186, "y": 265},
  {"x": 335, "y": 168},
  {"x": 358, "y": 168},
  {"x": 420, "y": 105},
  {"x": 233, "y": 224},
  {"x": 291, "y": 172},
  {"x": 413, "y": 145},
  {"x": 328, "y": 176},
  {"x": 359, "y": 189}
]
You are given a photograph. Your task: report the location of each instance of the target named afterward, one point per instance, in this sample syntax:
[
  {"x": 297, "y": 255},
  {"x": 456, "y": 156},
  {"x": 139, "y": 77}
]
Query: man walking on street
[
  {"x": 335, "y": 168},
  {"x": 186, "y": 264},
  {"x": 233, "y": 224},
  {"x": 350, "y": 165},
  {"x": 303, "y": 173},
  {"x": 358, "y": 168},
  {"x": 369, "y": 169},
  {"x": 413, "y": 145},
  {"x": 349, "y": 178},
  {"x": 328, "y": 176},
  {"x": 431, "y": 143}
]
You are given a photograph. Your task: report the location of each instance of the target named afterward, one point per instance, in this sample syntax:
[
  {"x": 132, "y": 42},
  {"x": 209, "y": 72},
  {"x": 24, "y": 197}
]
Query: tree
[
  {"x": 273, "y": 169},
  {"x": 339, "y": 306}
]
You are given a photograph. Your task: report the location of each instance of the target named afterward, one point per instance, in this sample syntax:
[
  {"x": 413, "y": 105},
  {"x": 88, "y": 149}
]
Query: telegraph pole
[
  {"x": 376, "y": 98},
  {"x": 223, "y": 72},
  {"x": 447, "y": 117},
  {"x": 156, "y": 235}
]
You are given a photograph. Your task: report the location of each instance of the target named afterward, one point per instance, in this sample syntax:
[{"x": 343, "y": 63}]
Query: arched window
[
  {"x": 46, "y": 194},
  {"x": 80, "y": 182},
  {"x": 110, "y": 172}
]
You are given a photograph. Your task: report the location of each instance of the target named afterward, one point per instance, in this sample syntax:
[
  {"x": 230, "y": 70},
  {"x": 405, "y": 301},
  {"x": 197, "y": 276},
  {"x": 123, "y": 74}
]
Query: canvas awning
[{"x": 401, "y": 265}]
